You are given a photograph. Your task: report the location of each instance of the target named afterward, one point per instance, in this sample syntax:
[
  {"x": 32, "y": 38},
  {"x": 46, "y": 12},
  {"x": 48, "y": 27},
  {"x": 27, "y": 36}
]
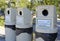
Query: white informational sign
[{"x": 44, "y": 23}]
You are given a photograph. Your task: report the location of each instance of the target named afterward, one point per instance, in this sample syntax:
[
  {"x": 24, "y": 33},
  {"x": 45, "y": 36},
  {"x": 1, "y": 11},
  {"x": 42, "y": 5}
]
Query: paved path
[
  {"x": 2, "y": 33},
  {"x": 2, "y": 30}
]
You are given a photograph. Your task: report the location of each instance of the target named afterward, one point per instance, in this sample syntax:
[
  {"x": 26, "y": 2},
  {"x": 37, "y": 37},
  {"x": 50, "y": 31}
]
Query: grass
[{"x": 1, "y": 20}]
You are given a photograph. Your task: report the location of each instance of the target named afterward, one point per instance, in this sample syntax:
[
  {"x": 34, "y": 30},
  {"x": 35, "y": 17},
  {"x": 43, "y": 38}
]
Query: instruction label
[{"x": 44, "y": 23}]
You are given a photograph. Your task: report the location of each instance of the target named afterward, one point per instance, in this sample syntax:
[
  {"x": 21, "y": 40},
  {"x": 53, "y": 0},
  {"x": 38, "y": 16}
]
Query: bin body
[
  {"x": 46, "y": 23},
  {"x": 10, "y": 21},
  {"x": 24, "y": 25}
]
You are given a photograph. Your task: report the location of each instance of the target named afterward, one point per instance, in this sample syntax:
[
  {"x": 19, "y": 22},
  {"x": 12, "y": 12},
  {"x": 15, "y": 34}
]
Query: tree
[{"x": 23, "y": 3}]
